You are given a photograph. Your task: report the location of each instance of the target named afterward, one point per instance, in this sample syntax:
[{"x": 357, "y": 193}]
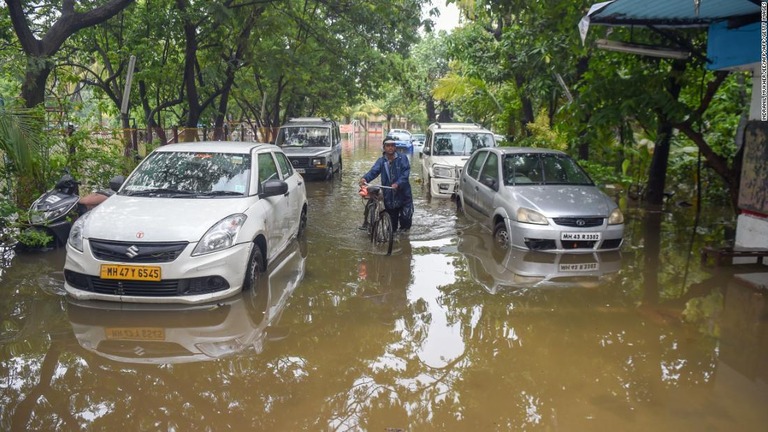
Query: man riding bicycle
[{"x": 394, "y": 169}]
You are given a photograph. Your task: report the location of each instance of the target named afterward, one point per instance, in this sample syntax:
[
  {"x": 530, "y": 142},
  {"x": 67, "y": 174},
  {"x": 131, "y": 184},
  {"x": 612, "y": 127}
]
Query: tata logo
[
  {"x": 580, "y": 222},
  {"x": 132, "y": 251}
]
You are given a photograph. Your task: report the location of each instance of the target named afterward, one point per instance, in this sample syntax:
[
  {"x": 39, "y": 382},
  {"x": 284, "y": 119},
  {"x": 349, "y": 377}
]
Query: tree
[{"x": 40, "y": 50}]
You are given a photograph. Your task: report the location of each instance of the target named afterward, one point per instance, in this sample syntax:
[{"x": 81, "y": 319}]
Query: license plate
[
  {"x": 580, "y": 267},
  {"x": 300, "y": 170},
  {"x": 591, "y": 236},
  {"x": 125, "y": 272},
  {"x": 135, "y": 333}
]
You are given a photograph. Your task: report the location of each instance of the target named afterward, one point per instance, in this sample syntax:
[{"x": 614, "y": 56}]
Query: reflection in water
[
  {"x": 498, "y": 269},
  {"x": 447, "y": 334},
  {"x": 160, "y": 334}
]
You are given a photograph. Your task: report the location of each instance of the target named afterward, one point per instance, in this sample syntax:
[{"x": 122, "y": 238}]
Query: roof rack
[{"x": 310, "y": 120}]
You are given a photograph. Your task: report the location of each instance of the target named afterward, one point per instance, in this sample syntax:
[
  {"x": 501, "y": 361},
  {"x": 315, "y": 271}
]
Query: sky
[{"x": 449, "y": 15}]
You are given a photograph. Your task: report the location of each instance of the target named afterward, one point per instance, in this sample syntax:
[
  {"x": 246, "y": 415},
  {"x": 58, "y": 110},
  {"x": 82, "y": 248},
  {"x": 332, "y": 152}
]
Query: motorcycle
[{"x": 55, "y": 211}]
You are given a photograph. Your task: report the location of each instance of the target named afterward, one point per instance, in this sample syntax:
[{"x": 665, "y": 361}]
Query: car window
[
  {"x": 267, "y": 168},
  {"x": 461, "y": 143},
  {"x": 191, "y": 173},
  {"x": 303, "y": 136},
  {"x": 285, "y": 166},
  {"x": 489, "y": 176},
  {"x": 473, "y": 168},
  {"x": 540, "y": 168}
]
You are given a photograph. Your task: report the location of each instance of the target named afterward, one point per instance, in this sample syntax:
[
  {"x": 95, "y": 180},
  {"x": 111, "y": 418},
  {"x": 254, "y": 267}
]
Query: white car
[
  {"x": 193, "y": 223},
  {"x": 446, "y": 148}
]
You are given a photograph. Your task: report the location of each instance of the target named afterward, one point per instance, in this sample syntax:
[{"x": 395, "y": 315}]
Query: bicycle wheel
[
  {"x": 383, "y": 236},
  {"x": 370, "y": 210}
]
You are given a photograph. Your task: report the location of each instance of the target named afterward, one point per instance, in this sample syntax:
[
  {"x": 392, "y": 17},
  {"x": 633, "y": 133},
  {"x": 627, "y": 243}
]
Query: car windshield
[
  {"x": 543, "y": 168},
  {"x": 400, "y": 136},
  {"x": 304, "y": 136},
  {"x": 190, "y": 174},
  {"x": 461, "y": 143}
]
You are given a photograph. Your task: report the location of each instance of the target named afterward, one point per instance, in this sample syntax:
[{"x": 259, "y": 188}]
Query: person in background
[{"x": 394, "y": 169}]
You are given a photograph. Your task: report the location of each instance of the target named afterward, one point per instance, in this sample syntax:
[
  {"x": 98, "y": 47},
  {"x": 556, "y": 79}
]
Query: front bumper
[
  {"x": 548, "y": 237},
  {"x": 185, "y": 280},
  {"x": 443, "y": 187}
]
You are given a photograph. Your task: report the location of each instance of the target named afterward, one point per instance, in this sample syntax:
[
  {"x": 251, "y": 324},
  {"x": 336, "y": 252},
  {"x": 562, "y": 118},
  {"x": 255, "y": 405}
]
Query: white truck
[{"x": 446, "y": 148}]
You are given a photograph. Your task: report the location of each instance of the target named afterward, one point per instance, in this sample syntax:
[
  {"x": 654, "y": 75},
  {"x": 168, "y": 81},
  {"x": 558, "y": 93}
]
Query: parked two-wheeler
[{"x": 57, "y": 209}]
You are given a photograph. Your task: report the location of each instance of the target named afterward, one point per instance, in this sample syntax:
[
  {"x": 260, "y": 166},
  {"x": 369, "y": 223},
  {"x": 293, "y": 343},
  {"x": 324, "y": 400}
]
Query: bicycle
[{"x": 378, "y": 220}]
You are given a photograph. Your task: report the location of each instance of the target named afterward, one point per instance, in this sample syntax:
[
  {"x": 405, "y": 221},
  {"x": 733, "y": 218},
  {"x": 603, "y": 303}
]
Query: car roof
[
  {"x": 518, "y": 150},
  {"x": 309, "y": 121},
  {"x": 218, "y": 146},
  {"x": 458, "y": 127}
]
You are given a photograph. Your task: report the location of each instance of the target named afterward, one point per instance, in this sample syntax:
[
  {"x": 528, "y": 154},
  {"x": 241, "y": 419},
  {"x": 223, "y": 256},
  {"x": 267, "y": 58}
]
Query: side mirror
[
  {"x": 273, "y": 187},
  {"x": 116, "y": 181}
]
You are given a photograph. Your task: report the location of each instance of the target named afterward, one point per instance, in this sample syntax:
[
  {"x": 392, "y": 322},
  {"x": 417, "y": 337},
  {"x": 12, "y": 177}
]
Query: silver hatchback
[{"x": 538, "y": 199}]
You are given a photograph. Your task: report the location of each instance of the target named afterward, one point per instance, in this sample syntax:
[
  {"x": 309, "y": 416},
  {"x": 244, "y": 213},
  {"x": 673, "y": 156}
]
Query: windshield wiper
[
  {"x": 221, "y": 193},
  {"x": 172, "y": 193}
]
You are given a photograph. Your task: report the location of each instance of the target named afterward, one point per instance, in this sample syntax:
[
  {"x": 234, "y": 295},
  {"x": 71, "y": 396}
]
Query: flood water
[{"x": 447, "y": 334}]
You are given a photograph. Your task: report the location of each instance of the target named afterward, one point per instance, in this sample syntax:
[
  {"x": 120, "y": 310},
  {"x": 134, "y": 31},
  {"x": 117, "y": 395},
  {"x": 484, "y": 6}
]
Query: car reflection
[
  {"x": 500, "y": 269},
  {"x": 162, "y": 333}
]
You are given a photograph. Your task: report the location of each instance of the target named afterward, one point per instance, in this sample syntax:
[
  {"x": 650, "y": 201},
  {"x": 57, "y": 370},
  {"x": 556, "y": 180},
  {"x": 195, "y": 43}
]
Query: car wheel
[
  {"x": 340, "y": 168},
  {"x": 302, "y": 224},
  {"x": 329, "y": 173},
  {"x": 428, "y": 184},
  {"x": 459, "y": 205},
  {"x": 501, "y": 235},
  {"x": 255, "y": 268}
]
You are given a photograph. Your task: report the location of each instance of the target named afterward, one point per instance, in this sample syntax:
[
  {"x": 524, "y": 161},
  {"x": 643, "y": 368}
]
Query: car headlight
[
  {"x": 616, "y": 217},
  {"x": 525, "y": 215},
  {"x": 318, "y": 161},
  {"x": 76, "y": 233},
  {"x": 222, "y": 235},
  {"x": 443, "y": 171}
]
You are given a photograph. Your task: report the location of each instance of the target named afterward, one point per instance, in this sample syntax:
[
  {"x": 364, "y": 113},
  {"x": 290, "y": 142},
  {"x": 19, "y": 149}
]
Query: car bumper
[
  {"x": 442, "y": 187},
  {"x": 549, "y": 237},
  {"x": 185, "y": 280}
]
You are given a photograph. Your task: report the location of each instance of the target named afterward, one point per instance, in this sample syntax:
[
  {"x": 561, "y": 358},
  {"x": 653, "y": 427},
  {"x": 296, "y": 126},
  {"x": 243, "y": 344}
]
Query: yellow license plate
[
  {"x": 125, "y": 272},
  {"x": 136, "y": 333}
]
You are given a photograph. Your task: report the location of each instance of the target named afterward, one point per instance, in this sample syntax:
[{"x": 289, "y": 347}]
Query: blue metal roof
[{"x": 677, "y": 13}]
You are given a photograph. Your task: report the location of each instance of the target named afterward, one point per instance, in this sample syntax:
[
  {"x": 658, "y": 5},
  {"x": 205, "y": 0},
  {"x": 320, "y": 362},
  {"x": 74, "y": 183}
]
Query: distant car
[
  {"x": 538, "y": 199},
  {"x": 446, "y": 149},
  {"x": 418, "y": 141},
  {"x": 403, "y": 138},
  {"x": 313, "y": 145},
  {"x": 193, "y": 223}
]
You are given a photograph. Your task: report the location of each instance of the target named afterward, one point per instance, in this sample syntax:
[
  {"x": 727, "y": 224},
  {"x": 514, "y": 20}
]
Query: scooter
[{"x": 57, "y": 209}]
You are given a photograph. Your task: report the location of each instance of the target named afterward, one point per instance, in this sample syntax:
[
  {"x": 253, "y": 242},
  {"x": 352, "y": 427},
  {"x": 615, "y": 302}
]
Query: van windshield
[
  {"x": 461, "y": 143},
  {"x": 304, "y": 136}
]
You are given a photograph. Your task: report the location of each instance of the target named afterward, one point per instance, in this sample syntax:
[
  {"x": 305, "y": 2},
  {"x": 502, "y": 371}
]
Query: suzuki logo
[
  {"x": 295, "y": 163},
  {"x": 132, "y": 251},
  {"x": 581, "y": 222}
]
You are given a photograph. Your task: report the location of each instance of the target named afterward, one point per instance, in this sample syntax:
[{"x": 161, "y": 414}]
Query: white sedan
[{"x": 193, "y": 223}]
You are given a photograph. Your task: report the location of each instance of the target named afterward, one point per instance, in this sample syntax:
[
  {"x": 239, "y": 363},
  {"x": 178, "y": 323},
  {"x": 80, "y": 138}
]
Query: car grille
[
  {"x": 300, "y": 162},
  {"x": 127, "y": 349},
  {"x": 165, "y": 288},
  {"x": 585, "y": 222},
  {"x": 142, "y": 252}
]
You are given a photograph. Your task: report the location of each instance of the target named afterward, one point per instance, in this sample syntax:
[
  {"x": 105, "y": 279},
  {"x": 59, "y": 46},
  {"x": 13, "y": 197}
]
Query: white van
[{"x": 446, "y": 148}]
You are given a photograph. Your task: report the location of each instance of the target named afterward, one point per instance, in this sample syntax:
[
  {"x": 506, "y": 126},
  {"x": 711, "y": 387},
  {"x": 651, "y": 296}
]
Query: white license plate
[
  {"x": 580, "y": 267},
  {"x": 575, "y": 236},
  {"x": 300, "y": 170}
]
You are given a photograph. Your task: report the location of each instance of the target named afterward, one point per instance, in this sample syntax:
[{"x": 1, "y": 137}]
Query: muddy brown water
[{"x": 447, "y": 334}]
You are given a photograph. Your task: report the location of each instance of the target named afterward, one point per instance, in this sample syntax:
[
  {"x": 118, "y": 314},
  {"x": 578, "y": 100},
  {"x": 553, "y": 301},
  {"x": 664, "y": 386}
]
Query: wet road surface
[{"x": 447, "y": 334}]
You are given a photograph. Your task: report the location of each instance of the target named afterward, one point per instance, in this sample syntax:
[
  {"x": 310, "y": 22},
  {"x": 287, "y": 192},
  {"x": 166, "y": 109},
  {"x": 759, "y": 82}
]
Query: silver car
[{"x": 538, "y": 199}]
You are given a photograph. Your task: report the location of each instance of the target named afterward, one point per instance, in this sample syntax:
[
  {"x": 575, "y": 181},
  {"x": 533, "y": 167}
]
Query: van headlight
[
  {"x": 222, "y": 235},
  {"x": 443, "y": 171},
  {"x": 76, "y": 233},
  {"x": 616, "y": 217}
]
